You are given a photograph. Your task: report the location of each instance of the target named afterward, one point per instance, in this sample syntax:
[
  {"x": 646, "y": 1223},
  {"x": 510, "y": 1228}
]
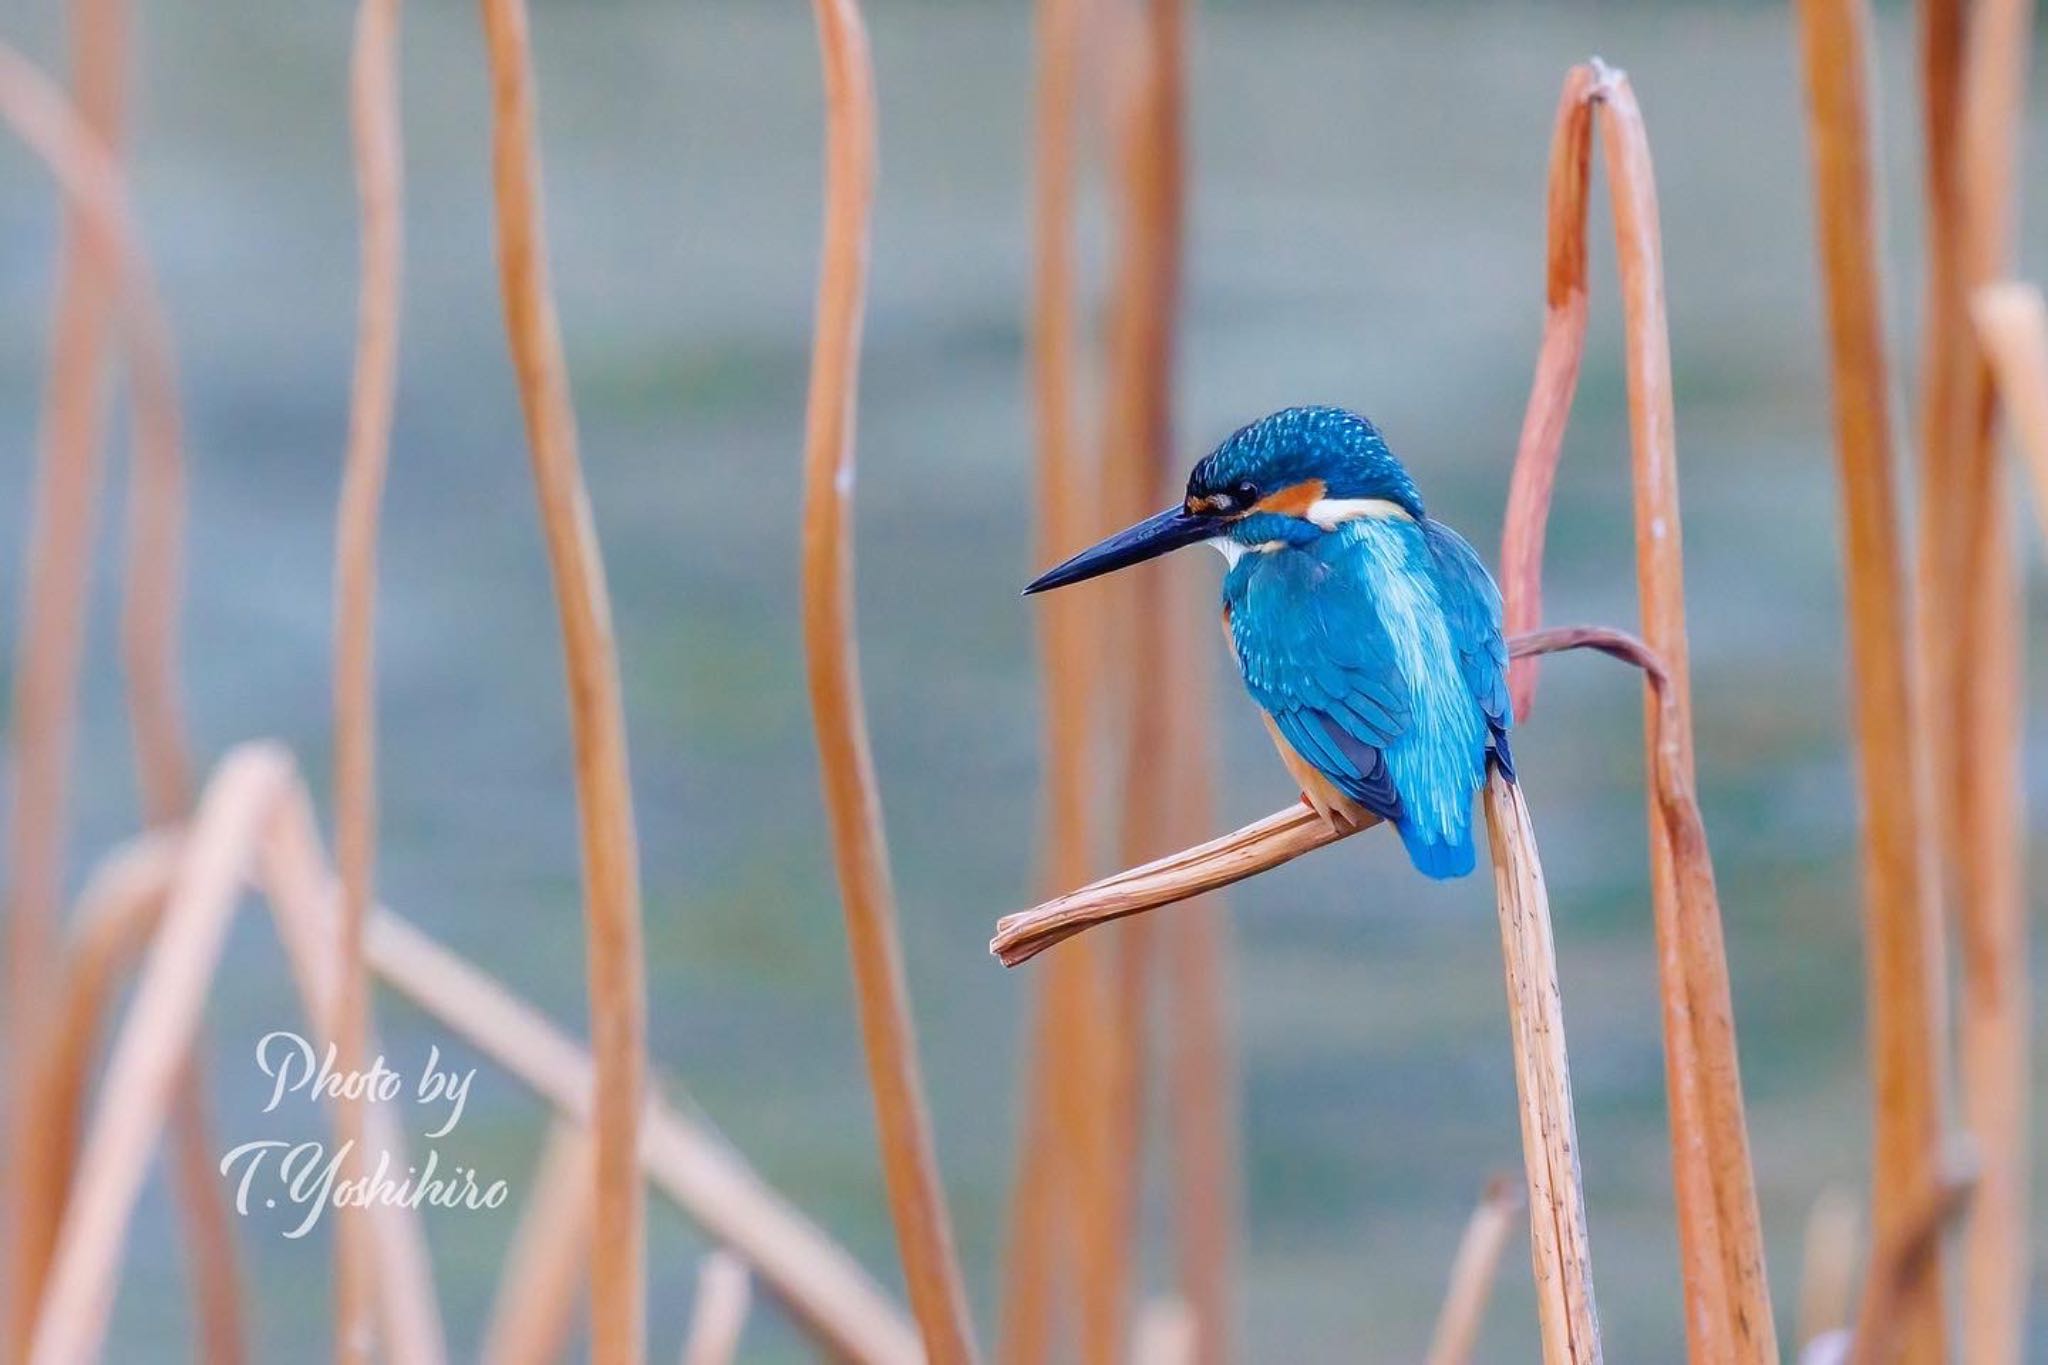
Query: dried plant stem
[
  {"x": 820, "y": 1285},
  {"x": 89, "y": 177},
  {"x": 51, "y": 643},
  {"x": 373, "y": 88},
  {"x": 719, "y": 1314},
  {"x": 853, "y": 807},
  {"x": 1557, "y": 1206},
  {"x": 2012, "y": 326},
  {"x": 1899, "y": 1265},
  {"x": 1902, "y": 937},
  {"x": 149, "y": 1053},
  {"x": 535, "y": 1309},
  {"x": 1165, "y": 1334},
  {"x": 1474, "y": 1270},
  {"x": 1068, "y": 995},
  {"x": 1827, "y": 1279},
  {"x": 1995, "y": 997},
  {"x": 617, "y": 985}
]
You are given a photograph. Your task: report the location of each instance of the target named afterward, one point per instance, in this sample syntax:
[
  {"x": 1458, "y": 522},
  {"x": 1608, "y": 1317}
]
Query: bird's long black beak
[{"x": 1149, "y": 539}]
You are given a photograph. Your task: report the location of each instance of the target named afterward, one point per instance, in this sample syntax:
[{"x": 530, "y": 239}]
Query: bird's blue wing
[
  {"x": 1471, "y": 605},
  {"x": 1317, "y": 660}
]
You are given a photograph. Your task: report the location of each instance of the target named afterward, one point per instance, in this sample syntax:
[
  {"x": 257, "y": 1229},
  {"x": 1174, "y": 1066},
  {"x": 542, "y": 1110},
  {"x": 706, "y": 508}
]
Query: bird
[{"x": 1368, "y": 634}]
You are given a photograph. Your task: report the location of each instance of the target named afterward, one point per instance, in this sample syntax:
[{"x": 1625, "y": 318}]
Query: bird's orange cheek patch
[{"x": 1293, "y": 500}]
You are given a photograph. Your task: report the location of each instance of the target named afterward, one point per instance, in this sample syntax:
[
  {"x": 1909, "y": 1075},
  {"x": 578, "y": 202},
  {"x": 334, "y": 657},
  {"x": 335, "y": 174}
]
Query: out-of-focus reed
[
  {"x": 845, "y": 761},
  {"x": 604, "y": 798},
  {"x": 374, "y": 116},
  {"x": 1474, "y": 1270}
]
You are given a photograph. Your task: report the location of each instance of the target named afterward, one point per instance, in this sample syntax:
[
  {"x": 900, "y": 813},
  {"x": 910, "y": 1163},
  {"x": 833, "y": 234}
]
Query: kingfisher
[{"x": 1368, "y": 634}]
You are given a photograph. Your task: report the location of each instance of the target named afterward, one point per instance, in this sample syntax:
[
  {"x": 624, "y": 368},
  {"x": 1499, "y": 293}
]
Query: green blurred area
[{"x": 1366, "y": 229}]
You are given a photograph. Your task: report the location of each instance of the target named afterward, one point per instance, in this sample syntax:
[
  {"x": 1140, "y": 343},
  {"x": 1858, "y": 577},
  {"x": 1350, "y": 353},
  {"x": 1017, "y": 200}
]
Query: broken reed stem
[
  {"x": 719, "y": 1314},
  {"x": 604, "y": 797},
  {"x": 1474, "y": 1270},
  {"x": 846, "y": 764},
  {"x": 374, "y": 119},
  {"x": 1566, "y": 1317},
  {"x": 822, "y": 1287},
  {"x": 89, "y": 177},
  {"x": 148, "y": 1056},
  {"x": 1557, "y": 375},
  {"x": 1902, "y": 933},
  {"x": 1054, "y": 1168},
  {"x": 1899, "y": 1267},
  {"x": 535, "y": 1309},
  {"x": 1728, "y": 1314}
]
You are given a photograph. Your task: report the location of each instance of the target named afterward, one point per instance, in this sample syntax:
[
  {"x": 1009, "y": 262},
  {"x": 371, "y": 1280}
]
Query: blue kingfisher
[{"x": 1368, "y": 634}]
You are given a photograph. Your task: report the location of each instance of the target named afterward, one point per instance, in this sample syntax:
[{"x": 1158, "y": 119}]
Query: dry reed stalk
[
  {"x": 1570, "y": 1328},
  {"x": 149, "y": 1053},
  {"x": 1165, "y": 1334},
  {"x": 535, "y": 1309},
  {"x": 1474, "y": 1270},
  {"x": 1995, "y": 991},
  {"x": 303, "y": 910},
  {"x": 379, "y": 157},
  {"x": 1557, "y": 373},
  {"x": 1827, "y": 1278},
  {"x": 1053, "y": 1162},
  {"x": 83, "y": 164},
  {"x": 1728, "y": 1314},
  {"x": 604, "y": 797},
  {"x": 1900, "y": 1265},
  {"x": 1902, "y": 933},
  {"x": 51, "y": 643},
  {"x": 846, "y": 763},
  {"x": 253, "y": 794},
  {"x": 2012, "y": 327},
  {"x": 822, "y": 1287},
  {"x": 719, "y": 1314},
  {"x": 1157, "y": 721}
]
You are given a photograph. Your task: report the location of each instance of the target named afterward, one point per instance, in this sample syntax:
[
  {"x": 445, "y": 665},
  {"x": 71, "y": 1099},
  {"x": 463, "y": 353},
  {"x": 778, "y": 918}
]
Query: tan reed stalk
[
  {"x": 48, "y": 652},
  {"x": 89, "y": 177},
  {"x": 1157, "y": 722},
  {"x": 1473, "y": 1271},
  {"x": 2012, "y": 327},
  {"x": 1054, "y": 1162},
  {"x": 1995, "y": 996},
  {"x": 253, "y": 786},
  {"x": 1728, "y": 1313},
  {"x": 719, "y": 1313},
  {"x": 1902, "y": 935},
  {"x": 822, "y": 1287},
  {"x": 148, "y": 1056},
  {"x": 604, "y": 796},
  {"x": 535, "y": 1310},
  {"x": 1164, "y": 1334},
  {"x": 1900, "y": 1265},
  {"x": 379, "y": 156},
  {"x": 1557, "y": 373},
  {"x": 1827, "y": 1278},
  {"x": 1569, "y": 1325},
  {"x": 846, "y": 764}
]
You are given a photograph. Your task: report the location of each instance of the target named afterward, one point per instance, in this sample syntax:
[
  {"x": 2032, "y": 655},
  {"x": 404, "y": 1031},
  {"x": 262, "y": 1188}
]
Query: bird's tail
[{"x": 1439, "y": 854}]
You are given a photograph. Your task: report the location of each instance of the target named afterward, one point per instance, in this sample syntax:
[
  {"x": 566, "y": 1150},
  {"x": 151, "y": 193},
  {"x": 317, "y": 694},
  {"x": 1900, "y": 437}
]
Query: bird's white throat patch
[{"x": 1330, "y": 513}]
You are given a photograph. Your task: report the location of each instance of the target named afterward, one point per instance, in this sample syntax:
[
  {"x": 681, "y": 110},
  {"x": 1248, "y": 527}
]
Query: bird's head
[{"x": 1290, "y": 477}]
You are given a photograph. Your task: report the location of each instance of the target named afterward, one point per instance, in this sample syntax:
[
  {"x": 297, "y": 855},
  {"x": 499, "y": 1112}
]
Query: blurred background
[{"x": 1365, "y": 229}]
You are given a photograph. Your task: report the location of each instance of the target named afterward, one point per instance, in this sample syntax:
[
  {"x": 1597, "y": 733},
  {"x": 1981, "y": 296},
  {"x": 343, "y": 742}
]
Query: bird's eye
[{"x": 1245, "y": 494}]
